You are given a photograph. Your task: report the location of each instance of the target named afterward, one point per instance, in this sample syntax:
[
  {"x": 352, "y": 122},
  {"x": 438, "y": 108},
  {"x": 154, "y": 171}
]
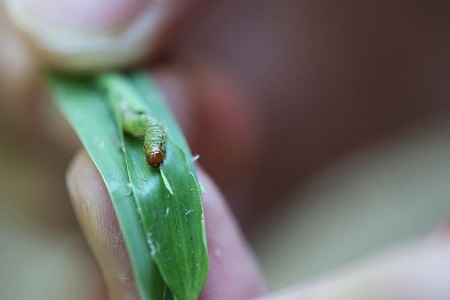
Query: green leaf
[{"x": 159, "y": 210}]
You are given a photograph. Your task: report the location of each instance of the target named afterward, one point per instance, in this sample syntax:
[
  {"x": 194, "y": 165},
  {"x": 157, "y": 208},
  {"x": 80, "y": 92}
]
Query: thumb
[
  {"x": 89, "y": 35},
  {"x": 233, "y": 271}
]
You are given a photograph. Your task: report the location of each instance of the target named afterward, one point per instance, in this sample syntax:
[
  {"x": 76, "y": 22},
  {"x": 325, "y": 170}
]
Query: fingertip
[
  {"x": 96, "y": 216},
  {"x": 88, "y": 36}
]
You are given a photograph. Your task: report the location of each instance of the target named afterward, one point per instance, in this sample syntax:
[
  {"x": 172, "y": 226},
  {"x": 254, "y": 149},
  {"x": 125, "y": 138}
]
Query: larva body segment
[
  {"x": 134, "y": 123},
  {"x": 155, "y": 143},
  {"x": 144, "y": 125}
]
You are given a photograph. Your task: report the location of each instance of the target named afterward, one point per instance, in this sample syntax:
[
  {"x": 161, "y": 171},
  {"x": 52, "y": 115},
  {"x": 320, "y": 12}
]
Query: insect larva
[
  {"x": 144, "y": 125},
  {"x": 154, "y": 143}
]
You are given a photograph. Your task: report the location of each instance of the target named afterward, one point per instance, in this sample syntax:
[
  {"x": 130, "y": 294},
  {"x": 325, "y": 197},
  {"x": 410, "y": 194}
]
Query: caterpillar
[{"x": 144, "y": 125}]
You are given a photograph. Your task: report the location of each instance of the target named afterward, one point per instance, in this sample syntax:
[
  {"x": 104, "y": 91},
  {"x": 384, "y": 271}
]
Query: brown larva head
[{"x": 155, "y": 158}]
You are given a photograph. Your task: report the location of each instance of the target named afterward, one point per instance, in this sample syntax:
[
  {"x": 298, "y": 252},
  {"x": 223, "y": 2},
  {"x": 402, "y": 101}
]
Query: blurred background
[{"x": 352, "y": 97}]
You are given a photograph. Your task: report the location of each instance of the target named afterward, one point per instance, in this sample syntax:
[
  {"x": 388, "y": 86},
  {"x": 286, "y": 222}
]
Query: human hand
[
  {"x": 239, "y": 276},
  {"x": 184, "y": 115}
]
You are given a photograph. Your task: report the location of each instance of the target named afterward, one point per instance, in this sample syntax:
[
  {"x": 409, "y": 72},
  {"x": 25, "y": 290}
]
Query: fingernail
[
  {"x": 81, "y": 15},
  {"x": 86, "y": 35}
]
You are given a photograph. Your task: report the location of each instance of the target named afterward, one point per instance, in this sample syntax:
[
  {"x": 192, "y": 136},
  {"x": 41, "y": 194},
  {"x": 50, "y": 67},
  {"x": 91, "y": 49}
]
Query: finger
[
  {"x": 17, "y": 76},
  {"x": 417, "y": 273},
  {"x": 233, "y": 272},
  {"x": 97, "y": 219},
  {"x": 88, "y": 35}
]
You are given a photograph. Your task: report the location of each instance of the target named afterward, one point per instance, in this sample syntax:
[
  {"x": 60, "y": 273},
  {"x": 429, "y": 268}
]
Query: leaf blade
[
  {"x": 161, "y": 217},
  {"x": 87, "y": 111}
]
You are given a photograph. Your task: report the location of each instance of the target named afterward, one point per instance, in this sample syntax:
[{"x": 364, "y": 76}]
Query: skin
[{"x": 341, "y": 75}]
